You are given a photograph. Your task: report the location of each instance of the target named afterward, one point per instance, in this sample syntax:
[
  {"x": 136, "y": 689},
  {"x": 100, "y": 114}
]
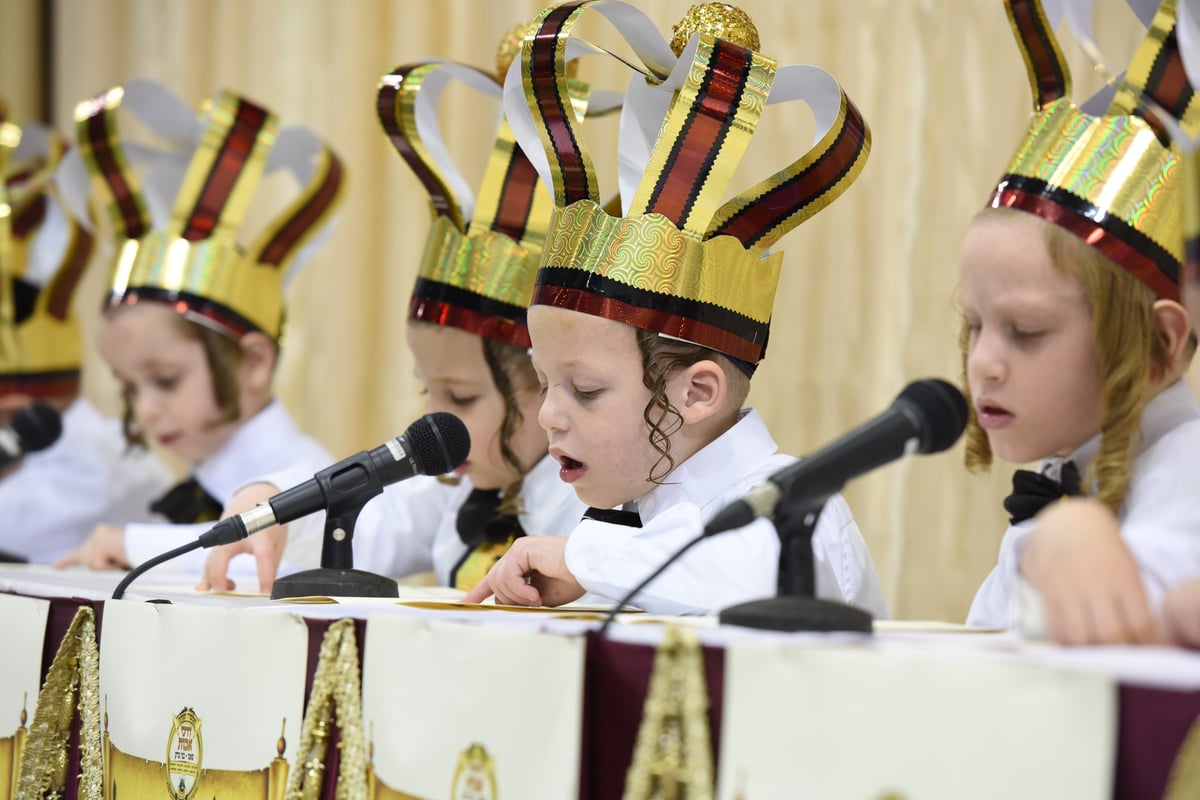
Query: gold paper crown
[
  {"x": 195, "y": 262},
  {"x": 478, "y": 274},
  {"x": 1112, "y": 180},
  {"x": 43, "y": 254},
  {"x": 681, "y": 262}
]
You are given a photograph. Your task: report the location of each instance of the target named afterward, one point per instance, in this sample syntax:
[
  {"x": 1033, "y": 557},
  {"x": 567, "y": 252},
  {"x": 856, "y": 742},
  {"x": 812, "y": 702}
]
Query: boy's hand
[
  {"x": 532, "y": 573},
  {"x": 1181, "y": 614},
  {"x": 266, "y": 546},
  {"x": 1090, "y": 585},
  {"x": 104, "y": 549}
]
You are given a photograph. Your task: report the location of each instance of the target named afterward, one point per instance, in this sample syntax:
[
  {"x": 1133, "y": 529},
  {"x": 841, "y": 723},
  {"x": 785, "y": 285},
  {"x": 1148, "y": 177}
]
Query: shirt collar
[
  {"x": 1166, "y": 411},
  {"x": 712, "y": 469},
  {"x": 250, "y": 451}
]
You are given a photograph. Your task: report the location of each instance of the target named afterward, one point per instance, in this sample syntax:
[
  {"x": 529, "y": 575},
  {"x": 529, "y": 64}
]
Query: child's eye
[
  {"x": 586, "y": 394},
  {"x": 166, "y": 384},
  {"x": 462, "y": 402},
  {"x": 1026, "y": 335}
]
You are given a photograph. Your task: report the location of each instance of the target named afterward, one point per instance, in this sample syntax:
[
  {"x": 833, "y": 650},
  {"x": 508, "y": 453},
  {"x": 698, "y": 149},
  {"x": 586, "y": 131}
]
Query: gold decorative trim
[
  {"x": 651, "y": 254},
  {"x": 1184, "y": 780},
  {"x": 72, "y": 684},
  {"x": 336, "y": 687},
  {"x": 673, "y": 754}
]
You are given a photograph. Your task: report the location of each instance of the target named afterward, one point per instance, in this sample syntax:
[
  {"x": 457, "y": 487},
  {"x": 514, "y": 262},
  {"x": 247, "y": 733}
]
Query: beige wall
[{"x": 866, "y": 299}]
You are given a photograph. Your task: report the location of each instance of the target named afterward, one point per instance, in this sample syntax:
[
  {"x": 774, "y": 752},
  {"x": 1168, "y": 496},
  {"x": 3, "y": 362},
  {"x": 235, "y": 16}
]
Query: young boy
[
  {"x": 470, "y": 342},
  {"x": 194, "y": 317},
  {"x": 1074, "y": 346},
  {"x": 52, "y": 499},
  {"x": 647, "y": 327}
]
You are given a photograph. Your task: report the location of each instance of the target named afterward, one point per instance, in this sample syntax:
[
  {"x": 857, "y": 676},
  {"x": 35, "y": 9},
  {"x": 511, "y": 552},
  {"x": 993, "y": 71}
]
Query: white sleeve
[
  {"x": 1163, "y": 536},
  {"x": 395, "y": 532},
  {"x": 46, "y": 513},
  {"x": 608, "y": 560},
  {"x": 144, "y": 541}
]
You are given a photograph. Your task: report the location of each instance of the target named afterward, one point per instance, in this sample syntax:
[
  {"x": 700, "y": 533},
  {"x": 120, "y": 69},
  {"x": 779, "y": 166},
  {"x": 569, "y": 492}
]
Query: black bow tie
[
  {"x": 487, "y": 534},
  {"x": 186, "y": 503},
  {"x": 1033, "y": 491},
  {"x": 614, "y": 516}
]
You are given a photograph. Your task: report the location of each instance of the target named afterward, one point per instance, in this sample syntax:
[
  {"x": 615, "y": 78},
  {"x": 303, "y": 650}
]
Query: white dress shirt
[
  {"x": 412, "y": 526},
  {"x": 610, "y": 559},
  {"x": 267, "y": 448},
  {"x": 57, "y": 496},
  {"x": 1160, "y": 519}
]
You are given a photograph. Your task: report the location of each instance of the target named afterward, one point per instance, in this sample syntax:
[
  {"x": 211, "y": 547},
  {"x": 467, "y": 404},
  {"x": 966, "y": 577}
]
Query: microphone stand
[
  {"x": 796, "y": 606},
  {"x": 336, "y": 576}
]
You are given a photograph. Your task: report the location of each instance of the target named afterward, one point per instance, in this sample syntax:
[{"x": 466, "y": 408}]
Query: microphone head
[
  {"x": 37, "y": 426},
  {"x": 439, "y": 441},
  {"x": 940, "y": 410}
]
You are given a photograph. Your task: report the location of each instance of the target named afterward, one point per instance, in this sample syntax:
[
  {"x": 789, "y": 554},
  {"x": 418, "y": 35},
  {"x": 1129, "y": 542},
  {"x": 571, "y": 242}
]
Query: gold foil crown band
[
  {"x": 682, "y": 260},
  {"x": 43, "y": 254},
  {"x": 481, "y": 254},
  {"x": 195, "y": 262},
  {"x": 1110, "y": 179}
]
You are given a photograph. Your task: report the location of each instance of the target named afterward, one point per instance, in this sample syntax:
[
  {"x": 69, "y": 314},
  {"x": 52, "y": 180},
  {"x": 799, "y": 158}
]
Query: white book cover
[
  {"x": 199, "y": 702},
  {"x": 457, "y": 710},
  {"x": 840, "y": 722}
]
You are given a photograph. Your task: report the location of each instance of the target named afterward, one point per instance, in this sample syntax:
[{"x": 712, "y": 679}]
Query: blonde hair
[
  {"x": 661, "y": 358},
  {"x": 1128, "y": 351}
]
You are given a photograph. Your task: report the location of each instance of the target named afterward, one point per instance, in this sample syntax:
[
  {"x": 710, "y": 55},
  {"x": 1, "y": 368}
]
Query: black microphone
[
  {"x": 927, "y": 417},
  {"x": 34, "y": 427},
  {"x": 434, "y": 444}
]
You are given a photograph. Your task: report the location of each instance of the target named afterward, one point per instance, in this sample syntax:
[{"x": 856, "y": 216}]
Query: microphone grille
[
  {"x": 439, "y": 441},
  {"x": 37, "y": 426},
  {"x": 942, "y": 410}
]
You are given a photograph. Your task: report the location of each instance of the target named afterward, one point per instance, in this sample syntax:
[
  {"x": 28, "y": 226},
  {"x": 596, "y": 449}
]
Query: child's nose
[
  {"x": 145, "y": 407},
  {"x": 985, "y": 362},
  {"x": 549, "y": 414}
]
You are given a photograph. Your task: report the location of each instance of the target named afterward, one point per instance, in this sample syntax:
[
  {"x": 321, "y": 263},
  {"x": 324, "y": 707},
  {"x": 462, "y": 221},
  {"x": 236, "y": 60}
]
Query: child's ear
[
  {"x": 258, "y": 361},
  {"x": 700, "y": 391},
  {"x": 1174, "y": 329}
]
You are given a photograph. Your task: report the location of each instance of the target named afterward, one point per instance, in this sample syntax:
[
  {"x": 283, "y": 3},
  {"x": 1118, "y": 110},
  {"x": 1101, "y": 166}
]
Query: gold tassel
[
  {"x": 73, "y": 683},
  {"x": 277, "y": 772},
  {"x": 1184, "y": 781},
  {"x": 672, "y": 759},
  {"x": 336, "y": 688},
  {"x": 18, "y": 746}
]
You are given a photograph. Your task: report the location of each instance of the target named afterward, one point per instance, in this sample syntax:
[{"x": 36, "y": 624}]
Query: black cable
[
  {"x": 142, "y": 568},
  {"x": 612, "y": 614}
]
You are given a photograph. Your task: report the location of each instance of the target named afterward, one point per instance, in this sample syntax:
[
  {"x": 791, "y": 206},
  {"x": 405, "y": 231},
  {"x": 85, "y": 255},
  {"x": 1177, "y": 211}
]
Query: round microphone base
[
  {"x": 334, "y": 583},
  {"x": 795, "y": 613}
]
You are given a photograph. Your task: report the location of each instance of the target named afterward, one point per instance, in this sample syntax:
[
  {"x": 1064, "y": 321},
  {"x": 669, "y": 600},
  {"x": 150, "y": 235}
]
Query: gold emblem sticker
[
  {"x": 475, "y": 776},
  {"x": 185, "y": 751}
]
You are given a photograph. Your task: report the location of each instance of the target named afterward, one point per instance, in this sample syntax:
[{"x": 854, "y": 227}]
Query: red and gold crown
[
  {"x": 43, "y": 254},
  {"x": 682, "y": 260},
  {"x": 481, "y": 254},
  {"x": 1112, "y": 179},
  {"x": 177, "y": 206}
]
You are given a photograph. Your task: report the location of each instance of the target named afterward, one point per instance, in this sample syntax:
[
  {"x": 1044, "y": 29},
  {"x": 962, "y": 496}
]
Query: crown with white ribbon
[
  {"x": 178, "y": 205},
  {"x": 683, "y": 259}
]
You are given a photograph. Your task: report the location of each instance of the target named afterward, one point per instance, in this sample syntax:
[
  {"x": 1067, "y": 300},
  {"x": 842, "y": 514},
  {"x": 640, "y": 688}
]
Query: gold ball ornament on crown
[{"x": 719, "y": 19}]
